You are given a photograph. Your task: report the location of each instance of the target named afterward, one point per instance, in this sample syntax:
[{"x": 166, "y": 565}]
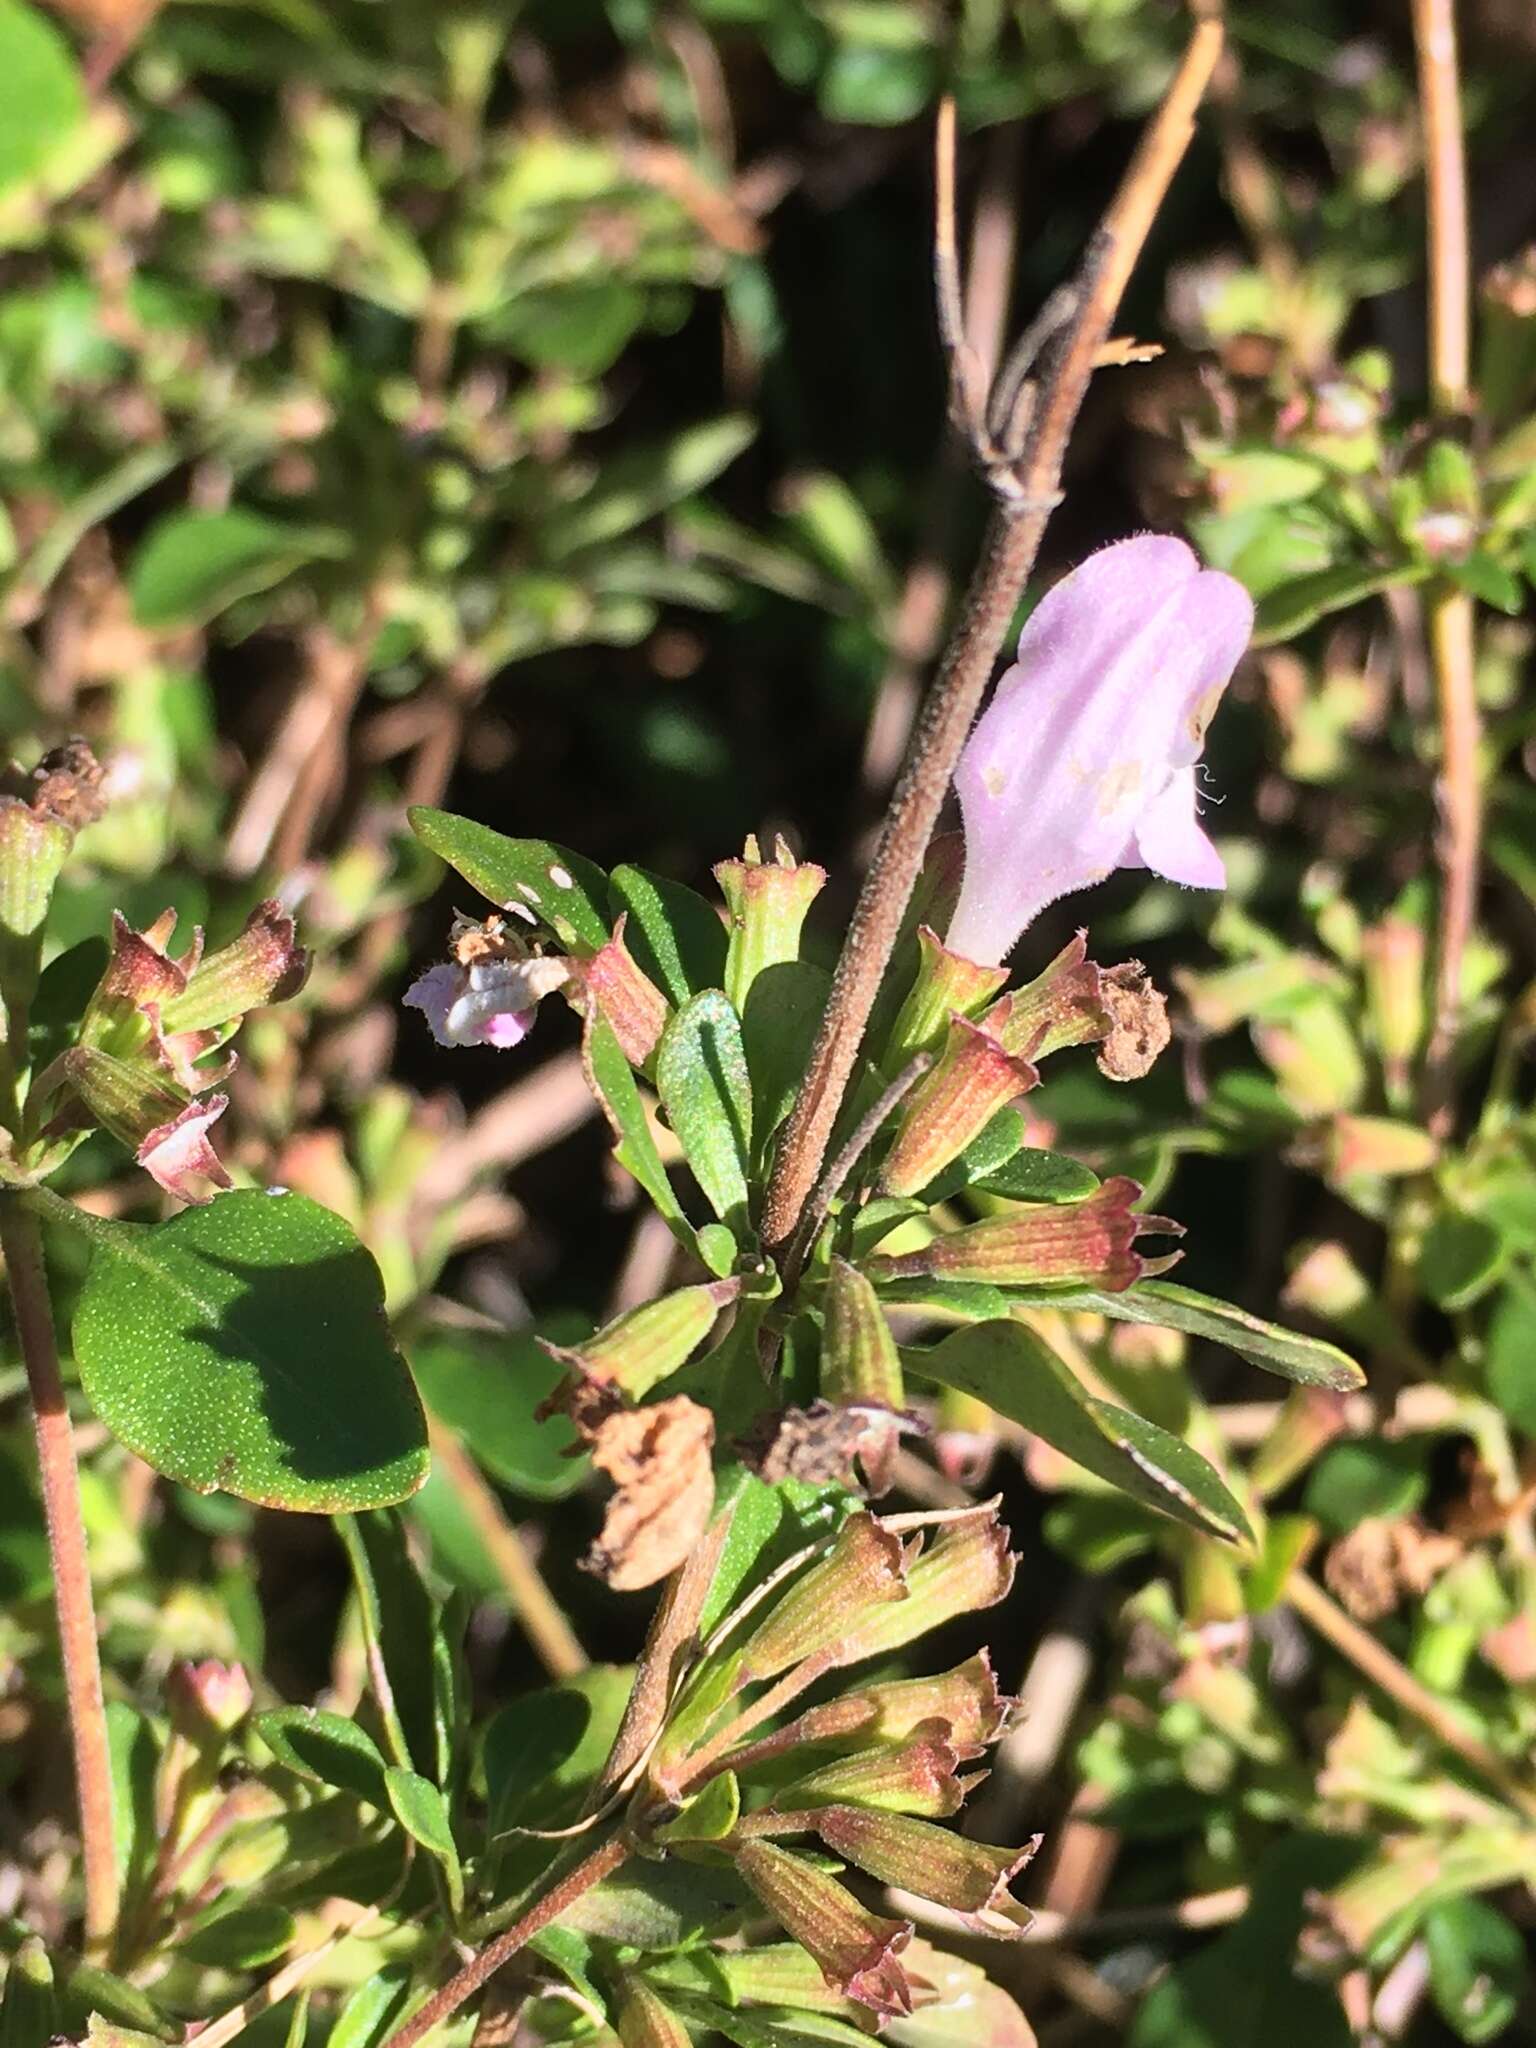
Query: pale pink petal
[
  {"x": 180, "y": 1156},
  {"x": 1120, "y": 668},
  {"x": 1171, "y": 843},
  {"x": 434, "y": 994}
]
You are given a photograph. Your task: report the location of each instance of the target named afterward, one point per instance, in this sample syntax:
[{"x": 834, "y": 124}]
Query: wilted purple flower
[
  {"x": 1085, "y": 760},
  {"x": 491, "y": 1002}
]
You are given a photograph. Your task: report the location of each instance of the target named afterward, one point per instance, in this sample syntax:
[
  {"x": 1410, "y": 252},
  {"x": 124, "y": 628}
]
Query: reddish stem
[{"x": 21, "y": 1243}]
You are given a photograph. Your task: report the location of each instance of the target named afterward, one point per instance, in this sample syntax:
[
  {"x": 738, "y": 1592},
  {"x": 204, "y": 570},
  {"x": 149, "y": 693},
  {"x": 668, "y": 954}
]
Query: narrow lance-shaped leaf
[
  {"x": 1015, "y": 1371},
  {"x": 556, "y": 887},
  {"x": 702, "y": 1078},
  {"x": 1308, "y": 1360}
]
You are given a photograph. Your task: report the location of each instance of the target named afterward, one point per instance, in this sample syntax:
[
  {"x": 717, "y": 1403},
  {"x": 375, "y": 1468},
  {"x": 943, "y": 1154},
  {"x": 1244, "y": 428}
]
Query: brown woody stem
[
  {"x": 1012, "y": 543},
  {"x": 21, "y": 1243},
  {"x": 559, "y": 1899}
]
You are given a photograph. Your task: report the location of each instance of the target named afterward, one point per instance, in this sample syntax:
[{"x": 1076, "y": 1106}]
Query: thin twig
[
  {"x": 1013, "y": 541},
  {"x": 1451, "y": 622},
  {"x": 1398, "y": 1682},
  {"x": 543, "y": 1622},
  {"x": 559, "y": 1899},
  {"x": 832, "y": 1182},
  {"x": 919, "y": 615},
  {"x": 21, "y": 1243},
  {"x": 228, "y": 2026}
]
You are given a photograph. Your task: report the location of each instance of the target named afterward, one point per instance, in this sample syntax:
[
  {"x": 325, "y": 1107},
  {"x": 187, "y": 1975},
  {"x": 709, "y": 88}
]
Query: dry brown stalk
[{"x": 1026, "y": 489}]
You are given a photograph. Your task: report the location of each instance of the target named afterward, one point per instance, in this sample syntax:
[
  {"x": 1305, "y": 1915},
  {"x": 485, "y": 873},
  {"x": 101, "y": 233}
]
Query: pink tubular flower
[{"x": 1085, "y": 760}]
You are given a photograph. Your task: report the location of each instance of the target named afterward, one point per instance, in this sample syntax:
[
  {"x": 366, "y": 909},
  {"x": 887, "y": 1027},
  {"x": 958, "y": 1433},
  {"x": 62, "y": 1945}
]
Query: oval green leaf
[
  {"x": 41, "y": 97},
  {"x": 326, "y": 1748},
  {"x": 1014, "y": 1371},
  {"x": 243, "y": 1348},
  {"x": 556, "y": 886},
  {"x": 193, "y": 565}
]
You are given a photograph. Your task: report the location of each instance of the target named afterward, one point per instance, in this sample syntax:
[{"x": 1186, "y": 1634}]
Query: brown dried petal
[
  {"x": 659, "y": 1461},
  {"x": 1138, "y": 1021},
  {"x": 66, "y": 784}
]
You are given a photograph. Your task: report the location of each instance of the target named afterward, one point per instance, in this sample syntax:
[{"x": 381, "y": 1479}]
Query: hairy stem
[
  {"x": 21, "y": 1244},
  {"x": 1013, "y": 541},
  {"x": 559, "y": 1899},
  {"x": 1452, "y": 643}
]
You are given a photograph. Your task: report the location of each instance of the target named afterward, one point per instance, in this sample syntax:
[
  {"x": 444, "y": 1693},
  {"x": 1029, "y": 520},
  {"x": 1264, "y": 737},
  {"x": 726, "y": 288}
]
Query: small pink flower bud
[
  {"x": 179, "y": 1155},
  {"x": 966, "y": 1700},
  {"x": 265, "y": 964},
  {"x": 645, "y": 2020},
  {"x": 1038, "y": 1244},
  {"x": 969, "y": 1567},
  {"x": 920, "y": 1775},
  {"x": 864, "y": 1569},
  {"x": 1085, "y": 761},
  {"x": 633, "y": 1005},
  {"x": 969, "y": 1877},
  {"x": 1392, "y": 957},
  {"x": 859, "y": 1360},
  {"x": 856, "y": 1950},
  {"x": 947, "y": 985},
  {"x": 207, "y": 1699},
  {"x": 975, "y": 1078}
]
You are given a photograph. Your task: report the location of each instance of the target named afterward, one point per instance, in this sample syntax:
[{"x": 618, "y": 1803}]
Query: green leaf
[
  {"x": 1460, "y": 1258},
  {"x": 423, "y": 1812},
  {"x": 1511, "y": 1357},
  {"x": 239, "y": 1937},
  {"x": 543, "y": 1751},
  {"x": 709, "y": 1817},
  {"x": 998, "y": 1162},
  {"x": 193, "y": 565},
  {"x": 85, "y": 1988},
  {"x": 706, "y": 1091},
  {"x": 1016, "y": 1372},
  {"x": 327, "y": 1748},
  {"x": 1243, "y": 1990},
  {"x": 1478, "y": 1972},
  {"x": 612, "y": 1081},
  {"x": 1488, "y": 579},
  {"x": 487, "y": 1387},
  {"x": 401, "y": 1632},
  {"x": 1301, "y": 603},
  {"x": 768, "y": 1524},
  {"x": 371, "y": 2012},
  {"x": 675, "y": 936},
  {"x": 41, "y": 97},
  {"x": 635, "y": 486},
  {"x": 658, "y": 1905},
  {"x": 783, "y": 1009},
  {"x": 1354, "y": 1482},
  {"x": 29, "y": 2013},
  {"x": 1307, "y": 1360},
  {"x": 243, "y": 1347},
  {"x": 135, "y": 1755},
  {"x": 561, "y": 889}
]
